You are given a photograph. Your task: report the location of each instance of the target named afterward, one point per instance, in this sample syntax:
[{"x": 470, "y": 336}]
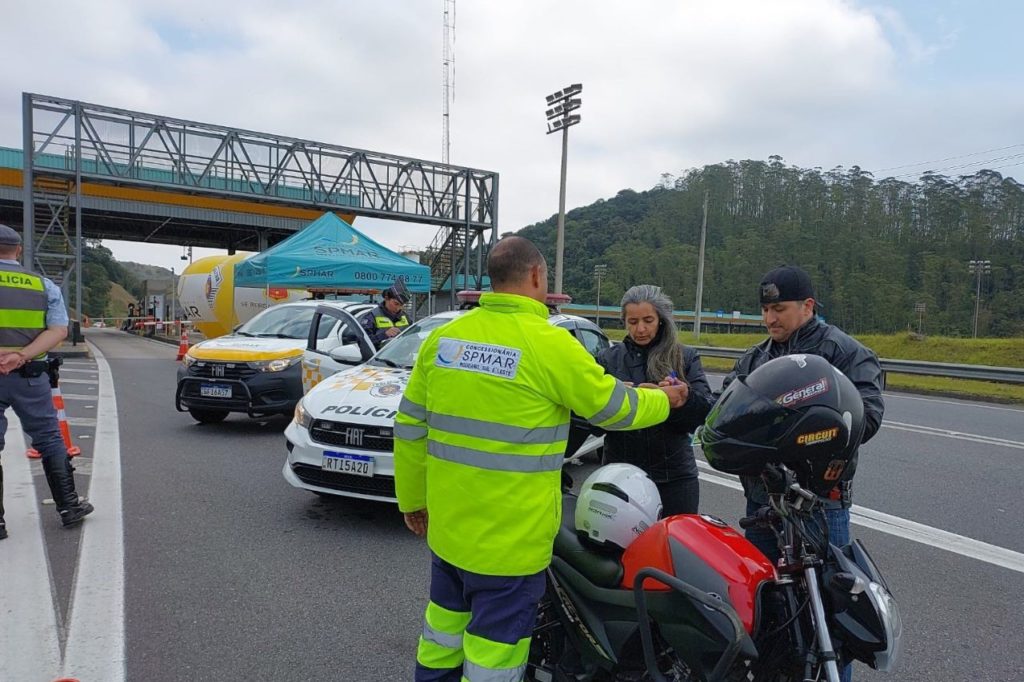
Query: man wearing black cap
[
  {"x": 388, "y": 318},
  {"x": 787, "y": 308},
  {"x": 33, "y": 320}
]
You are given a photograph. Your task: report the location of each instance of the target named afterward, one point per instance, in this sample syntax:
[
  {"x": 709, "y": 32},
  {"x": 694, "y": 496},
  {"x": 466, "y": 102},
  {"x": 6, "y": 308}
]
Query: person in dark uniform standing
[
  {"x": 33, "y": 320},
  {"x": 388, "y": 319}
]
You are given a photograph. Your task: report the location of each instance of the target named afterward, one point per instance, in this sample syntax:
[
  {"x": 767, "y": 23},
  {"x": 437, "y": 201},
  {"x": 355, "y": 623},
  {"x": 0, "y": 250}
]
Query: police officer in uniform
[
  {"x": 480, "y": 438},
  {"x": 388, "y": 319},
  {"x": 33, "y": 320}
]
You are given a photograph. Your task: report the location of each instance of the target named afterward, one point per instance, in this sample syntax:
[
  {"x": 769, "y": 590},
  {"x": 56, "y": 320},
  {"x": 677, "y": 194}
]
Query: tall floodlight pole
[
  {"x": 561, "y": 104},
  {"x": 599, "y": 272},
  {"x": 700, "y": 271},
  {"x": 978, "y": 268}
]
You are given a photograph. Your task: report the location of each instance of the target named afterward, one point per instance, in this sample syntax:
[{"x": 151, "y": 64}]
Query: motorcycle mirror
[{"x": 848, "y": 583}]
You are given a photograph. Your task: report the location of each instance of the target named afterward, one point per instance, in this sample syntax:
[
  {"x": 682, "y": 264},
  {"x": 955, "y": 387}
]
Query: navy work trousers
[
  {"x": 31, "y": 400},
  {"x": 478, "y": 627}
]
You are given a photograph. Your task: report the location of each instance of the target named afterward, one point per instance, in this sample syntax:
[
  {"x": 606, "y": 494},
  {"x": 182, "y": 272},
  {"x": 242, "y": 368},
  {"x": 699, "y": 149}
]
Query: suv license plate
[
  {"x": 214, "y": 391},
  {"x": 360, "y": 465}
]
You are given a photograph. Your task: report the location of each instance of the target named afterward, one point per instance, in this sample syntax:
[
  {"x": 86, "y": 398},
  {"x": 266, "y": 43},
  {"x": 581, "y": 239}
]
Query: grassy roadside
[{"x": 998, "y": 352}]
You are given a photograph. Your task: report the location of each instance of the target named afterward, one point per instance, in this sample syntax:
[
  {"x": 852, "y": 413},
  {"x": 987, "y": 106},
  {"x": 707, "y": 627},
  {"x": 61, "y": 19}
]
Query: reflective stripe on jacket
[
  {"x": 481, "y": 432},
  {"x": 22, "y": 306}
]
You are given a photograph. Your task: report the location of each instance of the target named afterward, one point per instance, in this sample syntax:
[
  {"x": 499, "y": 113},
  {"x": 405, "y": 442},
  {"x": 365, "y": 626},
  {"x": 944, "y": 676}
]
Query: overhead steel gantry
[{"x": 69, "y": 144}]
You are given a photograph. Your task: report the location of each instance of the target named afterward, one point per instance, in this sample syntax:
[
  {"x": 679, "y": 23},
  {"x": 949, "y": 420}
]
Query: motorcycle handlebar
[{"x": 763, "y": 517}]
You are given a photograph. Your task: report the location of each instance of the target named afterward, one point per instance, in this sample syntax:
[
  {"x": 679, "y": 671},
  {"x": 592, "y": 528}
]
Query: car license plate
[
  {"x": 360, "y": 465},
  {"x": 214, "y": 391}
]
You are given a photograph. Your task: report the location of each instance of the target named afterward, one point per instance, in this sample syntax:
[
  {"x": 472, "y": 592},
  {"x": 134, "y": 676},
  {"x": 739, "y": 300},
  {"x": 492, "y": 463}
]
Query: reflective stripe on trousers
[{"x": 478, "y": 627}]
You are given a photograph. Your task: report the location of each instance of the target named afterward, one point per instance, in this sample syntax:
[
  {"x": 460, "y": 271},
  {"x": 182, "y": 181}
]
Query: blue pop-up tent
[{"x": 330, "y": 254}]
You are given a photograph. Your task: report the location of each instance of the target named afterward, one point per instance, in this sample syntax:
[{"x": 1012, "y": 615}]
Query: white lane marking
[
  {"x": 78, "y": 381},
  {"x": 949, "y": 433},
  {"x": 906, "y": 529},
  {"x": 29, "y": 644},
  {"x": 95, "y": 648},
  {"x": 76, "y": 396},
  {"x": 65, "y": 368},
  {"x": 958, "y": 403}
]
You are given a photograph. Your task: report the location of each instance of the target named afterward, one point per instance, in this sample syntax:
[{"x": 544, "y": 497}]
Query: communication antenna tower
[{"x": 448, "y": 77}]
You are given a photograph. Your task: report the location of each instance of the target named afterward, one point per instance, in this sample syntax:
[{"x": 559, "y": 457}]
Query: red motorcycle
[{"x": 691, "y": 599}]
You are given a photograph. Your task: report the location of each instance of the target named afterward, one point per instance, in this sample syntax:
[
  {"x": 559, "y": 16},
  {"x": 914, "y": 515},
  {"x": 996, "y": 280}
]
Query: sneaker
[{"x": 73, "y": 515}]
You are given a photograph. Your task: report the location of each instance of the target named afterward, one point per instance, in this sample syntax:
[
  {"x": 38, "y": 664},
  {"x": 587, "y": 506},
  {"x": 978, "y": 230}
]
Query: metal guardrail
[{"x": 948, "y": 370}]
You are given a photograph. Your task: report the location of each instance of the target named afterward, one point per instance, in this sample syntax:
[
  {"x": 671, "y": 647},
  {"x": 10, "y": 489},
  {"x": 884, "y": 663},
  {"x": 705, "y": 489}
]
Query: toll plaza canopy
[{"x": 330, "y": 254}]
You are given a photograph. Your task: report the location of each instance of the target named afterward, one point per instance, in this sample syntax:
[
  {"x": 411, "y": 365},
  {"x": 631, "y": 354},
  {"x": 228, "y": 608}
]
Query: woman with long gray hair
[{"x": 651, "y": 354}]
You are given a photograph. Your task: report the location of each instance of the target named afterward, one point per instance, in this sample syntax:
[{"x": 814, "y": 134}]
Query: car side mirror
[{"x": 348, "y": 354}]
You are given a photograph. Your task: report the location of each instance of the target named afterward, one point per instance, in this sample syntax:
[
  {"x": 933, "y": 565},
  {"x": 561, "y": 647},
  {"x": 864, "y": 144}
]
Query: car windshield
[
  {"x": 402, "y": 351},
  {"x": 280, "y": 322}
]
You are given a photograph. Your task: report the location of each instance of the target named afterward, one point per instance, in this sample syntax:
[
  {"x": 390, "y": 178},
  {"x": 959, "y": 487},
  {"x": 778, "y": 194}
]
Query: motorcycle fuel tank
[{"x": 705, "y": 552}]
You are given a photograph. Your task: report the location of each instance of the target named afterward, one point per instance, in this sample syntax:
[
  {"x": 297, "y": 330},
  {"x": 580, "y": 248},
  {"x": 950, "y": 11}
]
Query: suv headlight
[
  {"x": 188, "y": 360},
  {"x": 278, "y": 365},
  {"x": 302, "y": 418}
]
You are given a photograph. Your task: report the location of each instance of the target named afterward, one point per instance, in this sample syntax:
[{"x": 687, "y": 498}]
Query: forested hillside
[
  {"x": 873, "y": 248},
  {"x": 99, "y": 270}
]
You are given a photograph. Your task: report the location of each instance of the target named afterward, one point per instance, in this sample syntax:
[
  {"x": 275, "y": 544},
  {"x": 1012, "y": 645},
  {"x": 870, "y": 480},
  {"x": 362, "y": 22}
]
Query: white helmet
[{"x": 617, "y": 503}]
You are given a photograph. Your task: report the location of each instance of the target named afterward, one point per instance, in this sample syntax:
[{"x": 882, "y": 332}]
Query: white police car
[{"x": 341, "y": 440}]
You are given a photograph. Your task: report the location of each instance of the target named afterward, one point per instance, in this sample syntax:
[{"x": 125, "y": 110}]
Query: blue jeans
[{"x": 838, "y": 534}]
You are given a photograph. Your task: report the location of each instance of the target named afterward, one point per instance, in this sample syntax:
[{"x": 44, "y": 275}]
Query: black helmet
[{"x": 798, "y": 410}]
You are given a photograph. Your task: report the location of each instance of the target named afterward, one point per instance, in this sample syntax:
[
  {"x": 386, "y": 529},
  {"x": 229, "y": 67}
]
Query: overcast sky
[{"x": 668, "y": 85}]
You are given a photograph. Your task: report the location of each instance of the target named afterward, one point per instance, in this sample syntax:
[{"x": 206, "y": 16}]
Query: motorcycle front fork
[{"x": 825, "y": 649}]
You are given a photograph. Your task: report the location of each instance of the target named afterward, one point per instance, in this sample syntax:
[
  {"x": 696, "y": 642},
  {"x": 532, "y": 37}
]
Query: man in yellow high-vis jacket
[
  {"x": 480, "y": 440},
  {"x": 33, "y": 321}
]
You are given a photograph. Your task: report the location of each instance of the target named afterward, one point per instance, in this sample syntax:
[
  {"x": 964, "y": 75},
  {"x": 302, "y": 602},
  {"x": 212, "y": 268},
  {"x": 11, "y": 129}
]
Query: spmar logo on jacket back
[
  {"x": 798, "y": 395},
  {"x": 485, "y": 358}
]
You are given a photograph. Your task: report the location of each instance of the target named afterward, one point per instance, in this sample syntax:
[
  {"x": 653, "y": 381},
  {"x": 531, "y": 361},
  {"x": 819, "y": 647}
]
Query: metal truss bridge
[{"x": 94, "y": 172}]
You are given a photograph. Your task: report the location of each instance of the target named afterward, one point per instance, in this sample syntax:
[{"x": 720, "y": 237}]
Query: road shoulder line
[{"x": 95, "y": 647}]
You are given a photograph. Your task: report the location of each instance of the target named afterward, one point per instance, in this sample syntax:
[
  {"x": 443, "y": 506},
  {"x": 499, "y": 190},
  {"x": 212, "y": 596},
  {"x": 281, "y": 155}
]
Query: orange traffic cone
[
  {"x": 65, "y": 429},
  {"x": 183, "y": 345}
]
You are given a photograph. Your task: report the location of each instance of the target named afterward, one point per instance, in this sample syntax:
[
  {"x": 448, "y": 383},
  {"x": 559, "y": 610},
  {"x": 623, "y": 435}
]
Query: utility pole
[
  {"x": 978, "y": 268},
  {"x": 447, "y": 77},
  {"x": 562, "y": 104},
  {"x": 599, "y": 272},
  {"x": 700, "y": 271}
]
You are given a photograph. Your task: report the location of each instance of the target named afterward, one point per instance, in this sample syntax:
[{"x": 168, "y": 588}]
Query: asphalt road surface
[{"x": 201, "y": 563}]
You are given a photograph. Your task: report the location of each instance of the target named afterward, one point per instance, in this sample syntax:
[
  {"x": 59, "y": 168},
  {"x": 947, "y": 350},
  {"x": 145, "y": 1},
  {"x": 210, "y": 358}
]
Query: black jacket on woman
[{"x": 663, "y": 451}]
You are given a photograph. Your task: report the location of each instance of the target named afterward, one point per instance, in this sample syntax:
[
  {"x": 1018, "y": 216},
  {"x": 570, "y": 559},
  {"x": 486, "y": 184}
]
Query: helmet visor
[{"x": 743, "y": 414}]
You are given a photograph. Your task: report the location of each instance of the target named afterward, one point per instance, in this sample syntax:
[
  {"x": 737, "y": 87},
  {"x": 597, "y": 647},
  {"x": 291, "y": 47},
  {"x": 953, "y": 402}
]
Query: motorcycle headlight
[
  {"x": 889, "y": 613},
  {"x": 278, "y": 365},
  {"x": 302, "y": 418}
]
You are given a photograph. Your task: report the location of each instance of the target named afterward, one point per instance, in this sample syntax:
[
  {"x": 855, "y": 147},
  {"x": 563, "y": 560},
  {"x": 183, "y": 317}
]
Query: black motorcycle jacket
[
  {"x": 849, "y": 356},
  {"x": 663, "y": 451}
]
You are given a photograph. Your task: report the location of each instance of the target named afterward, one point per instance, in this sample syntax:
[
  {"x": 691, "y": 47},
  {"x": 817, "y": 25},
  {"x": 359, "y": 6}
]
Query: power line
[
  {"x": 963, "y": 165},
  {"x": 948, "y": 158}
]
